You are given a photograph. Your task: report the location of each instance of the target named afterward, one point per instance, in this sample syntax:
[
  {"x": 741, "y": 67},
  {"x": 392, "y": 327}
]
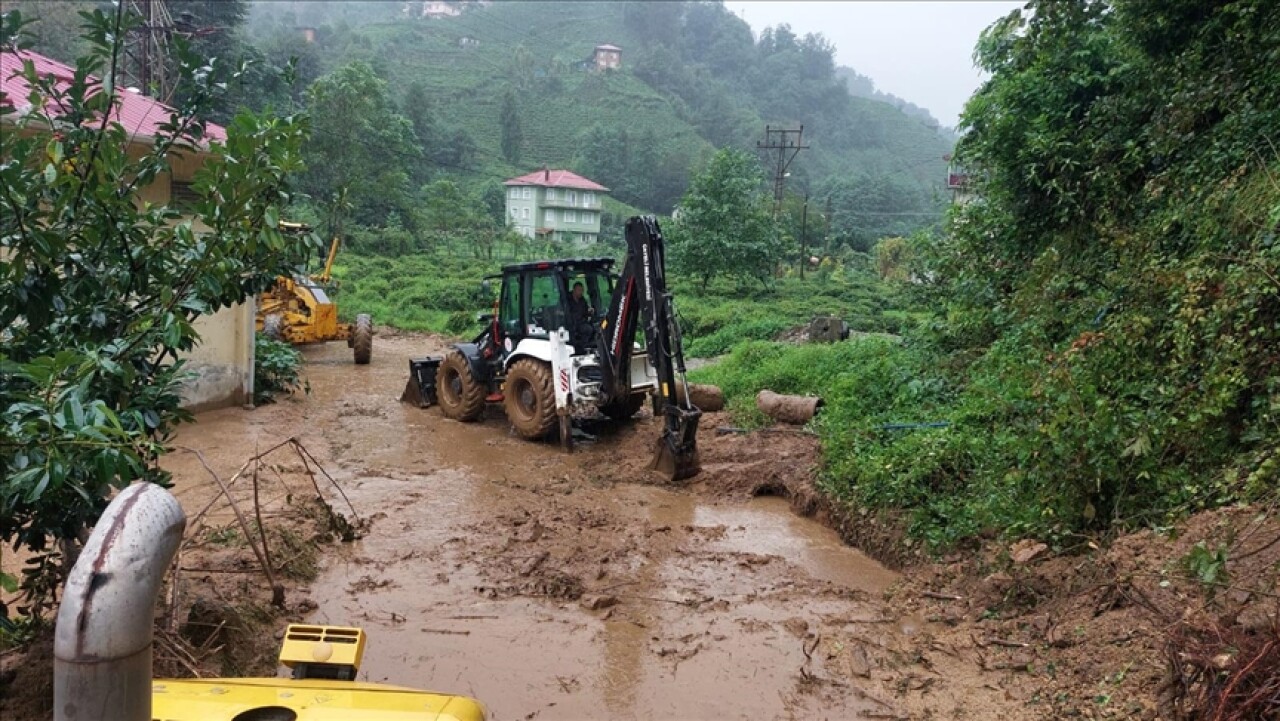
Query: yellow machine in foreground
[
  {"x": 103, "y": 641},
  {"x": 324, "y": 661},
  {"x": 298, "y": 309}
]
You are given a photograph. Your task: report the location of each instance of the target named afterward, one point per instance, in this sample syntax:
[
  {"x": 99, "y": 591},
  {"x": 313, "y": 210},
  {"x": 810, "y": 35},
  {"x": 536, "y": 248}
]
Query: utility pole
[
  {"x": 146, "y": 51},
  {"x": 788, "y": 143},
  {"x": 804, "y": 236},
  {"x": 826, "y": 232}
]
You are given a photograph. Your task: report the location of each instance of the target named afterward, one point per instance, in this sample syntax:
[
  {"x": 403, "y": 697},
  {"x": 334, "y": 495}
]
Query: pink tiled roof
[
  {"x": 140, "y": 115},
  {"x": 557, "y": 179}
]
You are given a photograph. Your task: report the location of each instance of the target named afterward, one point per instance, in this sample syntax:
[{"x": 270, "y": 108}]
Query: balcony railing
[{"x": 580, "y": 202}]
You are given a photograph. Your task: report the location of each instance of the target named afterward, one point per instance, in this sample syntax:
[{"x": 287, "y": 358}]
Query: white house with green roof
[{"x": 555, "y": 205}]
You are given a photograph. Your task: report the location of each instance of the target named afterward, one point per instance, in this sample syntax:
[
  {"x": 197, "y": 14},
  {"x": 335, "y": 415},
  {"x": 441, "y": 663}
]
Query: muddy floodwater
[{"x": 530, "y": 579}]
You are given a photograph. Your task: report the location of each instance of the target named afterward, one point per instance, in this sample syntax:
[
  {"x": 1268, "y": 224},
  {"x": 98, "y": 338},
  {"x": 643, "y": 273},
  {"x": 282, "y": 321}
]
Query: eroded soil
[
  {"x": 559, "y": 586},
  {"x": 578, "y": 586}
]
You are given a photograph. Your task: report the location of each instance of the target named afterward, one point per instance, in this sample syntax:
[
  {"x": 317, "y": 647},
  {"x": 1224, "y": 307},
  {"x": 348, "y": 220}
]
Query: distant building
[
  {"x": 555, "y": 204},
  {"x": 608, "y": 57},
  {"x": 957, "y": 181},
  {"x": 441, "y": 9},
  {"x": 466, "y": 41}
]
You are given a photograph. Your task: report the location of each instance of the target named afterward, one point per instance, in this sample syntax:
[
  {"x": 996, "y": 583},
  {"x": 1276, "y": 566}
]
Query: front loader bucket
[
  {"x": 677, "y": 454},
  {"x": 420, "y": 390}
]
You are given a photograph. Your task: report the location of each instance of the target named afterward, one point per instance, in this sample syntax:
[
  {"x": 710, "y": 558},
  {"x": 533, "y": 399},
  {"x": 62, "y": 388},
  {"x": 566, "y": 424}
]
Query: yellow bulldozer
[{"x": 298, "y": 310}]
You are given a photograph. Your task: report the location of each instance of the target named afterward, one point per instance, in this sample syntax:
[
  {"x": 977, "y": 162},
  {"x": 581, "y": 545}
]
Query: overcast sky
[{"x": 919, "y": 51}]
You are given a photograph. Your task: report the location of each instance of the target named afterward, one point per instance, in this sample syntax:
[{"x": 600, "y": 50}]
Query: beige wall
[{"x": 222, "y": 362}]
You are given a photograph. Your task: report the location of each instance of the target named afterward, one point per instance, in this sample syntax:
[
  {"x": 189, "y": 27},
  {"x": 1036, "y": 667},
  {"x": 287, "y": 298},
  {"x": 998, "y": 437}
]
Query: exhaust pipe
[{"x": 102, "y": 643}]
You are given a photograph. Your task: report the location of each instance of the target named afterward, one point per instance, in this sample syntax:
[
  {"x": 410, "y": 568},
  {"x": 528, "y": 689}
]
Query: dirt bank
[{"x": 564, "y": 587}]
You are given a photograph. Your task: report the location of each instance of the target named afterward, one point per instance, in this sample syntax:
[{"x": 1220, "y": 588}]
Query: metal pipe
[{"x": 102, "y": 643}]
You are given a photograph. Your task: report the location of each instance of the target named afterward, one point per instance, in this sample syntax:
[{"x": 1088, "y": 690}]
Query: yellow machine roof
[{"x": 274, "y": 699}]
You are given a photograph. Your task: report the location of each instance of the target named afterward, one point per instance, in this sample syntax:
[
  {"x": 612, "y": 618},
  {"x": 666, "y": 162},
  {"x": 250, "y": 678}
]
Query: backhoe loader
[
  {"x": 297, "y": 309},
  {"x": 546, "y": 361}
]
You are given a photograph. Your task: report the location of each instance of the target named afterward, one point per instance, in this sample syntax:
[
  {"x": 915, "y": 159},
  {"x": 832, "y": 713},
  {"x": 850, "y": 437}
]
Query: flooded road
[{"x": 535, "y": 582}]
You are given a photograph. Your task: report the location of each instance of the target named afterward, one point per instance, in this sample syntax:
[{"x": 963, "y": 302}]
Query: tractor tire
[
  {"x": 530, "y": 399},
  {"x": 624, "y": 409},
  {"x": 362, "y": 339},
  {"x": 273, "y": 326},
  {"x": 459, "y": 393}
]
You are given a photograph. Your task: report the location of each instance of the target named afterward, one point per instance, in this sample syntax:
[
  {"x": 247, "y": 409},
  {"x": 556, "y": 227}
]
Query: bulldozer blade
[{"x": 673, "y": 463}]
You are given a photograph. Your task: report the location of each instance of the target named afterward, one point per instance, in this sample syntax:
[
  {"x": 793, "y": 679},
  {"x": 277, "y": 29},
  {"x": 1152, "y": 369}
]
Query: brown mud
[{"x": 559, "y": 586}]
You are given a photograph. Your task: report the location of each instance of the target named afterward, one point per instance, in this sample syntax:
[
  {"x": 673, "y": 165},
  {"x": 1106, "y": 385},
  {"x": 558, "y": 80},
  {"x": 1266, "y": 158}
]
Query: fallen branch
[
  {"x": 1005, "y": 643},
  {"x": 941, "y": 596},
  {"x": 277, "y": 591},
  {"x": 445, "y": 631}
]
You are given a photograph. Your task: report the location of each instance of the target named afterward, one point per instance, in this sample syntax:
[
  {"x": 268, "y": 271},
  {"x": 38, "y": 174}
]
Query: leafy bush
[
  {"x": 99, "y": 292},
  {"x": 275, "y": 370}
]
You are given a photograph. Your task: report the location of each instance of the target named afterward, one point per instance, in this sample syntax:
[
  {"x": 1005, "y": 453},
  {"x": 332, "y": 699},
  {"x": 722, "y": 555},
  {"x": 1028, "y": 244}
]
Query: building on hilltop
[
  {"x": 440, "y": 8},
  {"x": 556, "y": 205},
  {"x": 607, "y": 57},
  {"x": 222, "y": 362}
]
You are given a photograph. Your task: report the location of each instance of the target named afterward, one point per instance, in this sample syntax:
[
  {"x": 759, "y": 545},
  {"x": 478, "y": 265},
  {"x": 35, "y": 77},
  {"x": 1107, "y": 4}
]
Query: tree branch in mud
[{"x": 260, "y": 545}]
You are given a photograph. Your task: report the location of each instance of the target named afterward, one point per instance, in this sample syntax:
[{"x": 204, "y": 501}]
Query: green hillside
[{"x": 693, "y": 78}]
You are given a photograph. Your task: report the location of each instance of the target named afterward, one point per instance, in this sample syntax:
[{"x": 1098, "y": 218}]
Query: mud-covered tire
[
  {"x": 530, "y": 399},
  {"x": 624, "y": 409},
  {"x": 273, "y": 326},
  {"x": 362, "y": 339},
  {"x": 459, "y": 393}
]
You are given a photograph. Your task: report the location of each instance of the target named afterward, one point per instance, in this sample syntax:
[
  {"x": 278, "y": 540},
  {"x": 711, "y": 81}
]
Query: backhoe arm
[{"x": 641, "y": 298}]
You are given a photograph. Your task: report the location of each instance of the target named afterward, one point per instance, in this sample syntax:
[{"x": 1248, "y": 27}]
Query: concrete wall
[{"x": 221, "y": 364}]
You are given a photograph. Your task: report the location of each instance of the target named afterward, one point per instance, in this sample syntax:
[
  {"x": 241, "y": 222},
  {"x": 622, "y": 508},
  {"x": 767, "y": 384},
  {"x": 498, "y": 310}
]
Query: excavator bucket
[
  {"x": 677, "y": 454},
  {"x": 420, "y": 390}
]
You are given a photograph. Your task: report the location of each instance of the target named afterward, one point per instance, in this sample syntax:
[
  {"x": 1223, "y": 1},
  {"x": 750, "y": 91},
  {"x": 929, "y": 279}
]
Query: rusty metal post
[{"x": 102, "y": 643}]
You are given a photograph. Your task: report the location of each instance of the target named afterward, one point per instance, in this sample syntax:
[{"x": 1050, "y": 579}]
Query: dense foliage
[
  {"x": 725, "y": 225},
  {"x": 98, "y": 292},
  {"x": 1105, "y": 350},
  {"x": 277, "y": 370}
]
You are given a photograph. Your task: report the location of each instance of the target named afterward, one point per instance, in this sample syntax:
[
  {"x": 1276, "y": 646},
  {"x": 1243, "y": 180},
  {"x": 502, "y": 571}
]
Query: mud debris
[{"x": 607, "y": 594}]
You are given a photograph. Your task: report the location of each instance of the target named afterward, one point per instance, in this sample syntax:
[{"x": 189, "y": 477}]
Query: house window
[
  {"x": 570, "y": 216},
  {"x": 551, "y": 193},
  {"x": 524, "y": 213},
  {"x": 527, "y": 193},
  {"x": 588, "y": 200},
  {"x": 551, "y": 215},
  {"x": 515, "y": 193},
  {"x": 514, "y": 214},
  {"x": 573, "y": 197}
]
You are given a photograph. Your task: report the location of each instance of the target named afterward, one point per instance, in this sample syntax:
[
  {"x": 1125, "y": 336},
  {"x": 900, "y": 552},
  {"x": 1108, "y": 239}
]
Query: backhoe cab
[{"x": 548, "y": 355}]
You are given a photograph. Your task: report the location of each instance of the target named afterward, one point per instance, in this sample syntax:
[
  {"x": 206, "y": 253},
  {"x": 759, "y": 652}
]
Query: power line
[{"x": 788, "y": 143}]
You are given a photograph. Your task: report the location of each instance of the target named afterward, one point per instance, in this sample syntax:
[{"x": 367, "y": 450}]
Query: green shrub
[{"x": 275, "y": 370}]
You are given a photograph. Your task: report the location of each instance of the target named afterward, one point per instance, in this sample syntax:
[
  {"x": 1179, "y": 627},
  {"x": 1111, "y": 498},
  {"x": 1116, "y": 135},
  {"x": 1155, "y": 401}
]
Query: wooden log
[
  {"x": 788, "y": 409},
  {"x": 707, "y": 398}
]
